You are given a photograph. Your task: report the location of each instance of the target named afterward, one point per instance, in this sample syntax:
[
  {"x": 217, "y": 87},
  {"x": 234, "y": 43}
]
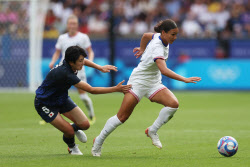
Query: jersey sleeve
[
  {"x": 59, "y": 43},
  {"x": 158, "y": 53},
  {"x": 86, "y": 42},
  {"x": 72, "y": 79}
]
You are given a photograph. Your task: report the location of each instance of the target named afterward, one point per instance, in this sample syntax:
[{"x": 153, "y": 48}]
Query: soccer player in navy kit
[
  {"x": 52, "y": 96},
  {"x": 71, "y": 38}
]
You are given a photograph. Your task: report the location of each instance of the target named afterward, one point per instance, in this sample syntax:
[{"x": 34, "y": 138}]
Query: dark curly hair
[{"x": 73, "y": 53}]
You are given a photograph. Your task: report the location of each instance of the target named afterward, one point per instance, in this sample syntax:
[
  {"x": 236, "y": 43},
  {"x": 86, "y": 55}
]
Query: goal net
[{"x": 21, "y": 31}]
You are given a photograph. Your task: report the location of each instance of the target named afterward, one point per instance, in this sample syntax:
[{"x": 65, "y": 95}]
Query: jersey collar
[
  {"x": 73, "y": 35},
  {"x": 162, "y": 42},
  {"x": 67, "y": 66}
]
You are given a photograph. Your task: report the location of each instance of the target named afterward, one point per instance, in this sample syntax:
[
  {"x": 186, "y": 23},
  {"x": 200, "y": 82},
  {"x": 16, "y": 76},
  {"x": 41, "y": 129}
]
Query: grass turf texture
[{"x": 189, "y": 139}]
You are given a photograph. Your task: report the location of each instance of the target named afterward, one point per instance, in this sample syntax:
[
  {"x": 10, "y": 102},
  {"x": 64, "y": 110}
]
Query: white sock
[
  {"x": 164, "y": 116},
  {"x": 111, "y": 124},
  {"x": 88, "y": 103}
]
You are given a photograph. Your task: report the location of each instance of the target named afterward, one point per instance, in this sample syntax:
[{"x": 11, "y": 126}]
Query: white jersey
[
  {"x": 64, "y": 41},
  {"x": 147, "y": 72}
]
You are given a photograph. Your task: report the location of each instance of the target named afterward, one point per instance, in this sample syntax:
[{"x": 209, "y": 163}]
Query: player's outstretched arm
[
  {"x": 171, "y": 74},
  {"x": 102, "y": 90},
  {"x": 144, "y": 41},
  {"x": 104, "y": 69}
]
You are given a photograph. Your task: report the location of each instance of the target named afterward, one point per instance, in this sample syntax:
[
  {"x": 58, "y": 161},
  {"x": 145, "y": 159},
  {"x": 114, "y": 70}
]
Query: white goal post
[{"x": 38, "y": 11}]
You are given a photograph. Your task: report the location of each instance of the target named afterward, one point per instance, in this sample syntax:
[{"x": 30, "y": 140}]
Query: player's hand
[
  {"x": 192, "y": 80},
  {"x": 123, "y": 88},
  {"x": 137, "y": 52},
  {"x": 51, "y": 65},
  {"x": 107, "y": 68}
]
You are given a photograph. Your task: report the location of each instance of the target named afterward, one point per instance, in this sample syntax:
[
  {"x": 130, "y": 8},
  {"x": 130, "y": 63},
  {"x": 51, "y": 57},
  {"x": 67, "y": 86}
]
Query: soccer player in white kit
[
  {"x": 146, "y": 81},
  {"x": 71, "y": 38}
]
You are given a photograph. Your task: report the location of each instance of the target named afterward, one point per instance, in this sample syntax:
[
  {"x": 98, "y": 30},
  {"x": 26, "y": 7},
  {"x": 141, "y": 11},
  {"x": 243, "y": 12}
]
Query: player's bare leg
[
  {"x": 168, "y": 99},
  {"x": 68, "y": 134},
  {"x": 126, "y": 109},
  {"x": 80, "y": 123}
]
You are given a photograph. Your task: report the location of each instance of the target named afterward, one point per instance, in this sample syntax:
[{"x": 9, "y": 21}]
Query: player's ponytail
[
  {"x": 157, "y": 28},
  {"x": 165, "y": 25}
]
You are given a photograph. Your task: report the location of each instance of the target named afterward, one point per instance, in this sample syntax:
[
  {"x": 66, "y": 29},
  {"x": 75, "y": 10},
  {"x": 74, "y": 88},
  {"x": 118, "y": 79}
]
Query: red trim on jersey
[
  {"x": 150, "y": 97},
  {"x": 160, "y": 57},
  {"x": 130, "y": 91}
]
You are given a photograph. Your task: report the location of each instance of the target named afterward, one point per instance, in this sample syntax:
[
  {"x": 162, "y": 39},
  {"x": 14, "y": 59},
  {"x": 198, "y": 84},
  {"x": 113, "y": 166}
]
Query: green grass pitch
[{"x": 189, "y": 139}]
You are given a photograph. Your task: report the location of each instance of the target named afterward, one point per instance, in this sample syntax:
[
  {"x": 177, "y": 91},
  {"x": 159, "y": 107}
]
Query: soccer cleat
[
  {"x": 75, "y": 150},
  {"x": 81, "y": 136},
  {"x": 155, "y": 138},
  {"x": 92, "y": 120},
  {"x": 96, "y": 149}
]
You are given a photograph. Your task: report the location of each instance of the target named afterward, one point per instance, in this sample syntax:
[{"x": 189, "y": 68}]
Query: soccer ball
[{"x": 227, "y": 146}]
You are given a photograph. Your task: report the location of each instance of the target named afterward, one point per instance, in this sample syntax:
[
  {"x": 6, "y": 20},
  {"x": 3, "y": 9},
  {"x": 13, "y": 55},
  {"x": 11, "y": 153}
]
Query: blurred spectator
[
  {"x": 191, "y": 27},
  {"x": 131, "y": 9},
  {"x": 139, "y": 25},
  {"x": 124, "y": 27},
  {"x": 96, "y": 25},
  {"x": 50, "y": 20},
  {"x": 50, "y": 31},
  {"x": 221, "y": 16},
  {"x": 172, "y": 7},
  {"x": 245, "y": 19}
]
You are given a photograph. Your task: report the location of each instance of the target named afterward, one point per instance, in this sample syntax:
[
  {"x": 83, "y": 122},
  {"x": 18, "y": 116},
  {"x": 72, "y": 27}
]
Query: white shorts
[
  {"x": 82, "y": 75},
  {"x": 138, "y": 91}
]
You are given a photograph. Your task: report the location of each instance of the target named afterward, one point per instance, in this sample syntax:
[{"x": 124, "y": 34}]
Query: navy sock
[
  {"x": 69, "y": 141},
  {"x": 76, "y": 128}
]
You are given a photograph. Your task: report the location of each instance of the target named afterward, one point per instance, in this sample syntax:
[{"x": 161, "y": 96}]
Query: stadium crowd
[
  {"x": 13, "y": 18},
  {"x": 195, "y": 18}
]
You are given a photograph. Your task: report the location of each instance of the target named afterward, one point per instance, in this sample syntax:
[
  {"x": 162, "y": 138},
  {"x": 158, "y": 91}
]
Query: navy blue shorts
[{"x": 49, "y": 113}]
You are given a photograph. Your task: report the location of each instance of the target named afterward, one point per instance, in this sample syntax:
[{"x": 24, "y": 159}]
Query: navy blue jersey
[{"x": 54, "y": 89}]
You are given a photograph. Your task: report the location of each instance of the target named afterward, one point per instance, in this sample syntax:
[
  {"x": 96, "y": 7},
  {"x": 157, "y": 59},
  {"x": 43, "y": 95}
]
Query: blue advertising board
[
  {"x": 124, "y": 47},
  {"x": 215, "y": 74},
  {"x": 124, "y": 57},
  {"x": 240, "y": 48},
  {"x": 203, "y": 48}
]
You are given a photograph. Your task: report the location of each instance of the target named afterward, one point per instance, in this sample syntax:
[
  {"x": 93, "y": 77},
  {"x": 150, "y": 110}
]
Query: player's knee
[
  {"x": 174, "y": 104},
  {"x": 84, "y": 125}
]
